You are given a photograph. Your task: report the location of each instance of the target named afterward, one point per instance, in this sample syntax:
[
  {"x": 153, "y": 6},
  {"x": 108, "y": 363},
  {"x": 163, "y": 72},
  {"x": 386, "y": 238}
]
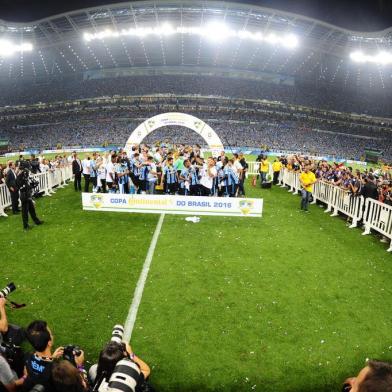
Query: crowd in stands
[
  {"x": 279, "y": 131},
  {"x": 302, "y": 94}
]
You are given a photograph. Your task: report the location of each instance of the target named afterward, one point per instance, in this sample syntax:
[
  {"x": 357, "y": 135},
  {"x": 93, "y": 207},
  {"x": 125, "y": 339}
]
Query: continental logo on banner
[
  {"x": 122, "y": 201},
  {"x": 246, "y": 206},
  {"x": 96, "y": 200}
]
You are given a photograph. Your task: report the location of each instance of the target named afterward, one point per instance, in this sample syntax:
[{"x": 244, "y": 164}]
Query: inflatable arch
[{"x": 180, "y": 119}]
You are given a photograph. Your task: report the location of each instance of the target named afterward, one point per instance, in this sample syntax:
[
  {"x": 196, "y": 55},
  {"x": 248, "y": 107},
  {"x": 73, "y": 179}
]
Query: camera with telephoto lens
[
  {"x": 125, "y": 377},
  {"x": 7, "y": 290},
  {"x": 117, "y": 334},
  {"x": 70, "y": 352}
]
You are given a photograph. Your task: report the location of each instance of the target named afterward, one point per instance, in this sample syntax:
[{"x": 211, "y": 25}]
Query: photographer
[
  {"x": 8, "y": 377},
  {"x": 109, "y": 357},
  {"x": 38, "y": 366},
  {"x": 26, "y": 187},
  {"x": 67, "y": 378},
  {"x": 376, "y": 376}
]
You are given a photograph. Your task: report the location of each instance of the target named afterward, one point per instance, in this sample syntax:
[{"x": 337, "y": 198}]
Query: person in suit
[
  {"x": 77, "y": 172},
  {"x": 10, "y": 181}
]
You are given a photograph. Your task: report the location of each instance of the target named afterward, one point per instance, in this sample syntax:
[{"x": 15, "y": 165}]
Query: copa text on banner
[{"x": 199, "y": 205}]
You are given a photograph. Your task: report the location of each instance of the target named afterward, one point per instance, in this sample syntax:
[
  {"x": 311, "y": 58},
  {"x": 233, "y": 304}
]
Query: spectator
[{"x": 376, "y": 376}]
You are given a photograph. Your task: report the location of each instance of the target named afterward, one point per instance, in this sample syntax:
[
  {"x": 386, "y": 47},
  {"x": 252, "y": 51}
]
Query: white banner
[{"x": 187, "y": 205}]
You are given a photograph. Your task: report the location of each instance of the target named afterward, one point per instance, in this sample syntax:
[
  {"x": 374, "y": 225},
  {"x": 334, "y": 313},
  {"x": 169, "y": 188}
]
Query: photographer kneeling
[
  {"x": 115, "y": 352},
  {"x": 39, "y": 365}
]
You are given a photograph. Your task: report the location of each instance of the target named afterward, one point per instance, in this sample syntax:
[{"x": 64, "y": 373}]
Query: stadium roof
[{"x": 196, "y": 33}]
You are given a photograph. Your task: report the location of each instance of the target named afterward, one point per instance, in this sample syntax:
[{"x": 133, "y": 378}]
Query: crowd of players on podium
[
  {"x": 184, "y": 170},
  {"x": 181, "y": 170}
]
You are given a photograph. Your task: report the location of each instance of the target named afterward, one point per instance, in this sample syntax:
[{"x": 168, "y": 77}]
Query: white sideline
[{"x": 137, "y": 296}]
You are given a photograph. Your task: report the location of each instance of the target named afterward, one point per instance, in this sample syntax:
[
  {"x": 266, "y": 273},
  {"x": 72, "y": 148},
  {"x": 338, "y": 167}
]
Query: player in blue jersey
[
  {"x": 194, "y": 181},
  {"x": 170, "y": 179},
  {"x": 231, "y": 179},
  {"x": 135, "y": 171}
]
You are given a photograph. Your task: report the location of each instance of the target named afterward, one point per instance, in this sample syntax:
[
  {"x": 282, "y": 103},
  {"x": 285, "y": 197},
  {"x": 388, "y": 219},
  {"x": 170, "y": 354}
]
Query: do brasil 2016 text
[{"x": 190, "y": 203}]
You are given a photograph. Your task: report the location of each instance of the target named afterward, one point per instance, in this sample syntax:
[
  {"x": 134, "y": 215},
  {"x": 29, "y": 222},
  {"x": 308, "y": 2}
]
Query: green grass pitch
[{"x": 288, "y": 302}]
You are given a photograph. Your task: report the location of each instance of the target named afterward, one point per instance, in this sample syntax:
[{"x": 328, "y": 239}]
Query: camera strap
[{"x": 14, "y": 305}]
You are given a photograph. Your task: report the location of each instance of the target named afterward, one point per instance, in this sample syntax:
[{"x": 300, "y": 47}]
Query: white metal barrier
[
  {"x": 291, "y": 179},
  {"x": 254, "y": 169},
  {"x": 47, "y": 181},
  {"x": 378, "y": 216},
  {"x": 347, "y": 204},
  {"x": 324, "y": 192}
]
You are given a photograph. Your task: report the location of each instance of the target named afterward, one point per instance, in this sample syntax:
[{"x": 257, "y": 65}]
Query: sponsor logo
[
  {"x": 96, "y": 200},
  {"x": 246, "y": 206}
]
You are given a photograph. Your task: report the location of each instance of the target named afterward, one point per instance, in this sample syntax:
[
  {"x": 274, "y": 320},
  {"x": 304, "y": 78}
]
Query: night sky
[{"x": 361, "y": 15}]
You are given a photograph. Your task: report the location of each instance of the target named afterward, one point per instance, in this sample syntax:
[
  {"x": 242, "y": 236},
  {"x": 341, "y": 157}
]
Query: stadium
[{"x": 212, "y": 178}]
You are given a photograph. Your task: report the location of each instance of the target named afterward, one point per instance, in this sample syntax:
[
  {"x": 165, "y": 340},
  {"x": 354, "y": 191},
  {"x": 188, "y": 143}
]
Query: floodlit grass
[{"x": 289, "y": 302}]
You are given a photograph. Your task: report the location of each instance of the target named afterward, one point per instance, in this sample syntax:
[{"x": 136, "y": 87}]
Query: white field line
[{"x": 137, "y": 296}]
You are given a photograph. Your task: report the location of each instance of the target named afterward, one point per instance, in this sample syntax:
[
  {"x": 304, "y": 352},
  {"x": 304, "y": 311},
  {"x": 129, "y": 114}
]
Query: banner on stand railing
[{"x": 198, "y": 205}]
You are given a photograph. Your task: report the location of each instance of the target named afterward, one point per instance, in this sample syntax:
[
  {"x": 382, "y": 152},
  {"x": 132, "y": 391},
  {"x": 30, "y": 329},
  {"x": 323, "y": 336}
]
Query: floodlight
[
  {"x": 382, "y": 58},
  {"x": 7, "y": 48},
  {"x": 272, "y": 38},
  {"x": 358, "y": 57},
  {"x": 167, "y": 29},
  {"x": 217, "y": 31},
  {"x": 290, "y": 41}
]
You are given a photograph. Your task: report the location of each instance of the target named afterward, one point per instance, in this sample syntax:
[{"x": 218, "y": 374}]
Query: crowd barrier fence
[
  {"x": 378, "y": 217},
  {"x": 375, "y": 215},
  {"x": 47, "y": 182}
]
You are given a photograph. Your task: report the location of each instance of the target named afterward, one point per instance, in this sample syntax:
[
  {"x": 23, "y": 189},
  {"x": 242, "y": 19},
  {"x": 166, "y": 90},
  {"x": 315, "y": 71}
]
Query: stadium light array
[
  {"x": 216, "y": 32},
  {"x": 379, "y": 58},
  {"x": 7, "y": 48}
]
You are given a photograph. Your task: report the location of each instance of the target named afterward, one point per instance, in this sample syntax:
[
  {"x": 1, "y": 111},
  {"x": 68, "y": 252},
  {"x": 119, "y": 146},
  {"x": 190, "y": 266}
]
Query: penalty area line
[{"x": 137, "y": 296}]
